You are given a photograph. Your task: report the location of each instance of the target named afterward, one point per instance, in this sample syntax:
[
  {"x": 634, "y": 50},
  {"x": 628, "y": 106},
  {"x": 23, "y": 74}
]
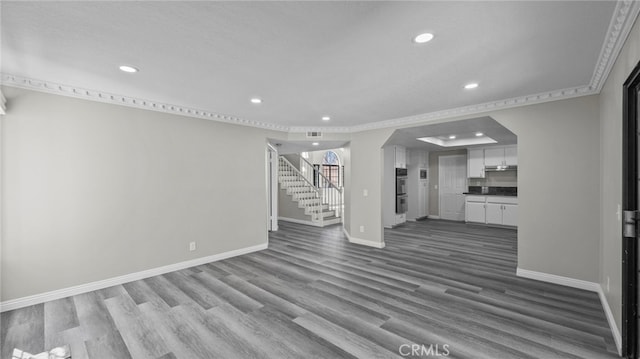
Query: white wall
[
  {"x": 366, "y": 173},
  {"x": 93, "y": 190},
  {"x": 417, "y": 160},
  {"x": 389, "y": 186},
  {"x": 558, "y": 186},
  {"x": 288, "y": 208},
  {"x": 346, "y": 162},
  {"x": 611, "y": 175}
]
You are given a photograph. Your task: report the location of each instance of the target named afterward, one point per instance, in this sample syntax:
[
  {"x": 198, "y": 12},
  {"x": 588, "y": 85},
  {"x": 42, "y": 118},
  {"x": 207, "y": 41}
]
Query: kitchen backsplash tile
[{"x": 497, "y": 179}]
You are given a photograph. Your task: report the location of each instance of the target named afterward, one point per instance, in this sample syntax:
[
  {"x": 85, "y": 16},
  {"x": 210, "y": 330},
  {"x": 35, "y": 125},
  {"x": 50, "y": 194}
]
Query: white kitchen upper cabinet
[
  {"x": 501, "y": 156},
  {"x": 475, "y": 212},
  {"x": 475, "y": 163},
  {"x": 494, "y": 156},
  {"x": 494, "y": 213},
  {"x": 401, "y": 157},
  {"x": 510, "y": 214},
  {"x": 511, "y": 155}
]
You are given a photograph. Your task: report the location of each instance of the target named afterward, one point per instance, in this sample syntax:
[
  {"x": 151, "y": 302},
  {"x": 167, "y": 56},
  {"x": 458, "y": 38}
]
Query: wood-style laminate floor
[{"x": 447, "y": 287}]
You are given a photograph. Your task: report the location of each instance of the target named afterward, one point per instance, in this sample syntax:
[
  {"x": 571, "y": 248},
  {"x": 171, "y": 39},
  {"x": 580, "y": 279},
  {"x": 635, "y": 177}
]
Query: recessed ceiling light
[
  {"x": 471, "y": 86},
  {"x": 256, "y": 100},
  {"x": 129, "y": 69},
  {"x": 326, "y": 118},
  {"x": 315, "y": 143},
  {"x": 478, "y": 134},
  {"x": 452, "y": 137},
  {"x": 422, "y": 38}
]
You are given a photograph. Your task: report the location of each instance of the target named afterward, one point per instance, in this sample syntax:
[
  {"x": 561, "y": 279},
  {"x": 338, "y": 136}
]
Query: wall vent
[{"x": 314, "y": 134}]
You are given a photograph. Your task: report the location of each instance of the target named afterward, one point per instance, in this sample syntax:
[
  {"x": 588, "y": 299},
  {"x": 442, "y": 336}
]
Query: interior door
[
  {"x": 630, "y": 201},
  {"x": 453, "y": 182}
]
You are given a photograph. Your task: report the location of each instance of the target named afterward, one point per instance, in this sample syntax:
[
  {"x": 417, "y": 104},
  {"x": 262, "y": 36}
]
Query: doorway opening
[
  {"x": 452, "y": 169},
  {"x": 306, "y": 184}
]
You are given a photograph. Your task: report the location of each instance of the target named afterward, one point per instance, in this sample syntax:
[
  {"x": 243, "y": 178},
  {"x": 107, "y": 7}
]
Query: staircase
[{"x": 322, "y": 204}]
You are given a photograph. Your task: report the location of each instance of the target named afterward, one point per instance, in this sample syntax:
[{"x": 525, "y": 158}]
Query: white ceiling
[{"x": 354, "y": 61}]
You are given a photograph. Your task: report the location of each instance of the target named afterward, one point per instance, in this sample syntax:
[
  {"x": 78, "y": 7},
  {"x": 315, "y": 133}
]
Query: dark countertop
[
  {"x": 492, "y": 191},
  {"x": 491, "y": 194}
]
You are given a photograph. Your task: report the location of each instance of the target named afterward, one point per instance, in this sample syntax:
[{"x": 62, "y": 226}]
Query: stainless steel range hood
[{"x": 500, "y": 168}]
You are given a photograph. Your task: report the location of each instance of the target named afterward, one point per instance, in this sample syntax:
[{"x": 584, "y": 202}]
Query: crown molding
[
  {"x": 624, "y": 16},
  {"x": 100, "y": 96},
  {"x": 479, "y": 108},
  {"x": 621, "y": 23},
  {"x": 303, "y": 129}
]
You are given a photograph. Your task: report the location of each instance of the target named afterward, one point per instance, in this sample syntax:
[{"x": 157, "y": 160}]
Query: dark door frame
[{"x": 630, "y": 203}]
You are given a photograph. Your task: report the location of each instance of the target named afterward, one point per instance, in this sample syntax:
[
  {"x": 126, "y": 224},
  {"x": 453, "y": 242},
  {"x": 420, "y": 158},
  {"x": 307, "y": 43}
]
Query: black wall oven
[{"x": 401, "y": 190}]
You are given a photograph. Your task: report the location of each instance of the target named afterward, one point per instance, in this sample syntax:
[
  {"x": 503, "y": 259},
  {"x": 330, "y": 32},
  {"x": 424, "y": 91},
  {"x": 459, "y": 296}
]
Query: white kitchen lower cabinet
[
  {"x": 475, "y": 209},
  {"x": 492, "y": 210},
  {"x": 494, "y": 213},
  {"x": 510, "y": 215}
]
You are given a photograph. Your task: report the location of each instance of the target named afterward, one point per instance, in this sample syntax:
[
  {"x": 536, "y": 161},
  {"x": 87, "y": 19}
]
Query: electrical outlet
[
  {"x": 365, "y": 192},
  {"x": 608, "y": 284},
  {"x": 361, "y": 229},
  {"x": 192, "y": 246}
]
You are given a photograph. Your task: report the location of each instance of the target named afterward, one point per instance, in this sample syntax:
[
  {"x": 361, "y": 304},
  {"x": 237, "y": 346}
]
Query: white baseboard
[
  {"x": 617, "y": 337},
  {"x": 433, "y": 217},
  {"x": 361, "y": 241},
  {"x": 580, "y": 284},
  {"x": 89, "y": 287},
  {"x": 552, "y": 278},
  {"x": 299, "y": 221}
]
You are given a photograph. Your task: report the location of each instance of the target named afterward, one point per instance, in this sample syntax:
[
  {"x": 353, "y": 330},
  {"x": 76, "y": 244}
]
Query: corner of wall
[{"x": 364, "y": 242}]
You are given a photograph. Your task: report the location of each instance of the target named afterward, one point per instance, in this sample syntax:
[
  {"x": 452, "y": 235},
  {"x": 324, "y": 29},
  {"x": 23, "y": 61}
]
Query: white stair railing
[
  {"x": 315, "y": 206},
  {"x": 330, "y": 194}
]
